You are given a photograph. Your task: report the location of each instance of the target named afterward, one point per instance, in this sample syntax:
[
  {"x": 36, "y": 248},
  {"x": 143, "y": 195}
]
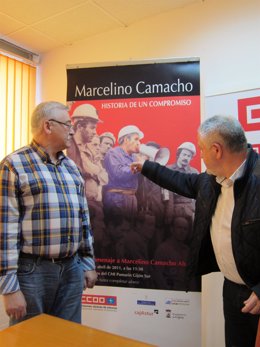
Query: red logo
[
  {"x": 104, "y": 300},
  {"x": 249, "y": 113}
]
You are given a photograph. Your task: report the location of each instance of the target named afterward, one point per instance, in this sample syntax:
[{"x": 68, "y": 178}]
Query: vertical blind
[{"x": 17, "y": 100}]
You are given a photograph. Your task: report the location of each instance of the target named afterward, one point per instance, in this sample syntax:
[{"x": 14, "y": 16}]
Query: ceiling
[{"x": 42, "y": 25}]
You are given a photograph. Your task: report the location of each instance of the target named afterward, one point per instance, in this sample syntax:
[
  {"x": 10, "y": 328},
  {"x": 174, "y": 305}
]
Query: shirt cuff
[
  {"x": 9, "y": 284},
  {"x": 88, "y": 264},
  {"x": 256, "y": 290}
]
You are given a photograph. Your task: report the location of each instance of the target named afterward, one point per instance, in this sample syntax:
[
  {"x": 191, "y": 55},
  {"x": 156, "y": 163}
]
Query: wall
[{"x": 224, "y": 34}]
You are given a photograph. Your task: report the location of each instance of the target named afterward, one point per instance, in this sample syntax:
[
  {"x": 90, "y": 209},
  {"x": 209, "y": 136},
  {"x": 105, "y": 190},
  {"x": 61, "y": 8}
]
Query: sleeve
[
  {"x": 181, "y": 183},
  {"x": 9, "y": 230},
  {"x": 256, "y": 289},
  {"x": 117, "y": 166},
  {"x": 88, "y": 165},
  {"x": 86, "y": 249},
  {"x": 102, "y": 176}
]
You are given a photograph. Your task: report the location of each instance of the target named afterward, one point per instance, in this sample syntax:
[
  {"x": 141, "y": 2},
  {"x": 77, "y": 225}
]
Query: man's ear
[
  {"x": 78, "y": 126},
  {"x": 218, "y": 150},
  {"x": 125, "y": 140},
  {"x": 47, "y": 127}
]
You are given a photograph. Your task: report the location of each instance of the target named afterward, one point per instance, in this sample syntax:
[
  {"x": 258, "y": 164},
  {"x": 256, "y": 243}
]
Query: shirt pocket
[{"x": 32, "y": 187}]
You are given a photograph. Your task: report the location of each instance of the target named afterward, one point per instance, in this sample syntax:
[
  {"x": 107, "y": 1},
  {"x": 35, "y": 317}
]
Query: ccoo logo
[{"x": 104, "y": 300}]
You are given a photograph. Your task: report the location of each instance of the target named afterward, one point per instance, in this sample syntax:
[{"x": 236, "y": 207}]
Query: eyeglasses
[{"x": 70, "y": 126}]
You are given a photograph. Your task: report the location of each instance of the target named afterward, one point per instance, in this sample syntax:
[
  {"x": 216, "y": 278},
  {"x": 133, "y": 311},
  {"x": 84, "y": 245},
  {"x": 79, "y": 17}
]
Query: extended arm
[{"x": 178, "y": 182}]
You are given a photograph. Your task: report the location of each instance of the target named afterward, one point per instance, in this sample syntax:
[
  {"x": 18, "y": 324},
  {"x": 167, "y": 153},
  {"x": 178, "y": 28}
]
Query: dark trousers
[{"x": 240, "y": 328}]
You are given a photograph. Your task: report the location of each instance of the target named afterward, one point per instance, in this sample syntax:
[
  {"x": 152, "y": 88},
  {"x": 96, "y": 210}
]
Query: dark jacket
[{"x": 245, "y": 226}]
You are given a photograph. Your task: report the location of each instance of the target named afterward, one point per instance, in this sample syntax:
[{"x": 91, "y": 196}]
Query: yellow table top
[{"x": 49, "y": 331}]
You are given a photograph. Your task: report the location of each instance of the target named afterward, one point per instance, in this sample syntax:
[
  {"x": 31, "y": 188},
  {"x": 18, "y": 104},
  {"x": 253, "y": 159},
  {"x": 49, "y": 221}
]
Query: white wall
[{"x": 224, "y": 34}]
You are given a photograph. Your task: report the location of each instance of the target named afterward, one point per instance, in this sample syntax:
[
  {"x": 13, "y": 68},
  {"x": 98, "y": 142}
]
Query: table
[{"x": 48, "y": 331}]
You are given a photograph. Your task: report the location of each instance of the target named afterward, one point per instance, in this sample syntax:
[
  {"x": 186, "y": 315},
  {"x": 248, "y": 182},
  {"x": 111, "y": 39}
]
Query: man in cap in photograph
[
  {"x": 84, "y": 151},
  {"x": 177, "y": 205},
  {"x": 95, "y": 178},
  {"x": 185, "y": 152},
  {"x": 122, "y": 185},
  {"x": 85, "y": 119},
  {"x": 107, "y": 141},
  {"x": 96, "y": 175}
]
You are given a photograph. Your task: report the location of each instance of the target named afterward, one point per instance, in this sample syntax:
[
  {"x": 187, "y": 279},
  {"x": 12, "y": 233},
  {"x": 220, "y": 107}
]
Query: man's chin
[
  {"x": 68, "y": 142},
  {"x": 67, "y": 145}
]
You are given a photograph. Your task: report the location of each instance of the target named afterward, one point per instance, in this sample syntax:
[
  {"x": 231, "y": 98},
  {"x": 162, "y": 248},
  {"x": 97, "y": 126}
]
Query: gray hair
[
  {"x": 226, "y": 131},
  {"x": 44, "y": 111}
]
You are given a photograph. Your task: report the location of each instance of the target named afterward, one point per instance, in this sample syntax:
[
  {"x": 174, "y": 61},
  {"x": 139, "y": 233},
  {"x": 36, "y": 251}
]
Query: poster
[{"x": 141, "y": 231}]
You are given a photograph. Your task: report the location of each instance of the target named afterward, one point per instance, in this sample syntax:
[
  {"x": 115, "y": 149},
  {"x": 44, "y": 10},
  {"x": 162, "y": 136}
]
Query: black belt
[{"x": 40, "y": 258}]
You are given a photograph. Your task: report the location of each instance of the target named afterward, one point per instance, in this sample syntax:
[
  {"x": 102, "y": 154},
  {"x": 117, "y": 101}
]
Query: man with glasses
[{"x": 46, "y": 245}]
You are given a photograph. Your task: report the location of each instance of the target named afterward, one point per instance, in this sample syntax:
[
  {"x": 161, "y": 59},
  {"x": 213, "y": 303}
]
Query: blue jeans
[
  {"x": 240, "y": 328},
  {"x": 51, "y": 288}
]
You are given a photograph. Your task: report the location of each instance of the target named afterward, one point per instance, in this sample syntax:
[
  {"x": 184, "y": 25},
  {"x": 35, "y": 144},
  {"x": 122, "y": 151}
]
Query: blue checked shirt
[{"x": 43, "y": 211}]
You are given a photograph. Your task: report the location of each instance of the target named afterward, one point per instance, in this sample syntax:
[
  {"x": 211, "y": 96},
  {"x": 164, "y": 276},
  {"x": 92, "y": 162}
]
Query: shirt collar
[
  {"x": 44, "y": 155},
  {"x": 125, "y": 153},
  {"x": 224, "y": 181}
]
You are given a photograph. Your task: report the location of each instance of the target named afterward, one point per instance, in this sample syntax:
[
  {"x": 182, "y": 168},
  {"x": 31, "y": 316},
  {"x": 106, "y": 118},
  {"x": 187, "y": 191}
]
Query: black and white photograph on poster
[{"x": 121, "y": 114}]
